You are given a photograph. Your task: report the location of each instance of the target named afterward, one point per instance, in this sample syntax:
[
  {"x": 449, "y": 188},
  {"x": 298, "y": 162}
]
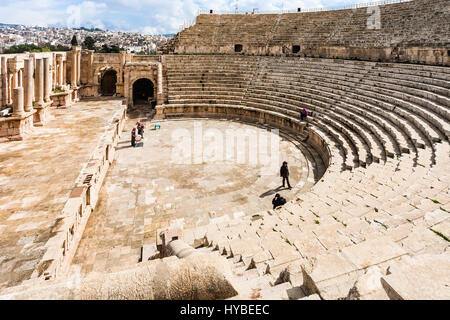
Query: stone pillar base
[
  {"x": 62, "y": 99},
  {"x": 159, "y": 112},
  {"x": 75, "y": 94},
  {"x": 41, "y": 114},
  {"x": 17, "y": 127}
]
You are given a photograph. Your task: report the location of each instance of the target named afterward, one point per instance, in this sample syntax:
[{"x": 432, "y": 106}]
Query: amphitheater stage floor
[
  {"x": 148, "y": 187},
  {"x": 36, "y": 177}
]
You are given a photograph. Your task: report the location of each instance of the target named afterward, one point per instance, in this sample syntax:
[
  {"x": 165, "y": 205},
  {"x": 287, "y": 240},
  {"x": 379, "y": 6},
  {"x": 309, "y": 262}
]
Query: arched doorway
[
  {"x": 108, "y": 83},
  {"x": 143, "y": 91}
]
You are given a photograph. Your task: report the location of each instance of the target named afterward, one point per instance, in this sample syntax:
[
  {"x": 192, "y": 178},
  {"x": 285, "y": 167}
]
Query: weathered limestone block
[
  {"x": 424, "y": 277},
  {"x": 331, "y": 276},
  {"x": 368, "y": 286},
  {"x": 193, "y": 278},
  {"x": 372, "y": 252}
]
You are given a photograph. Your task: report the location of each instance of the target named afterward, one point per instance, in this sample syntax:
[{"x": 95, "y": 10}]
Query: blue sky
[{"x": 146, "y": 16}]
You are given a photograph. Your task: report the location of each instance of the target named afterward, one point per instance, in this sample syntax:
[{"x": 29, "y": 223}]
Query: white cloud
[
  {"x": 149, "y": 16},
  {"x": 87, "y": 13}
]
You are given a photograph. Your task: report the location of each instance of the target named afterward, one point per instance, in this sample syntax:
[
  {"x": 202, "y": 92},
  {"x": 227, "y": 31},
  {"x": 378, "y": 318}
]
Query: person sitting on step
[
  {"x": 303, "y": 114},
  {"x": 278, "y": 201}
]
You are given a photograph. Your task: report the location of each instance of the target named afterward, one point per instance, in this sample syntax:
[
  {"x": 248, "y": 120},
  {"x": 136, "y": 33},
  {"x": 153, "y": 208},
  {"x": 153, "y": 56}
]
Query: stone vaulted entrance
[
  {"x": 108, "y": 83},
  {"x": 143, "y": 92}
]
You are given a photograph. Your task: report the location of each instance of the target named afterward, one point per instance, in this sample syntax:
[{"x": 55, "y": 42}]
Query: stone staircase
[{"x": 380, "y": 198}]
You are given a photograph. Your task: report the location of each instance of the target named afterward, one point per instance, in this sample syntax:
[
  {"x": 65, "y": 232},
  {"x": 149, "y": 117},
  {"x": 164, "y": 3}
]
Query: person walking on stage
[{"x": 284, "y": 173}]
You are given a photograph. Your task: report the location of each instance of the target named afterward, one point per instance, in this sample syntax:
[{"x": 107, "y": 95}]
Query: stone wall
[
  {"x": 415, "y": 32},
  {"x": 61, "y": 248},
  {"x": 15, "y": 128}
]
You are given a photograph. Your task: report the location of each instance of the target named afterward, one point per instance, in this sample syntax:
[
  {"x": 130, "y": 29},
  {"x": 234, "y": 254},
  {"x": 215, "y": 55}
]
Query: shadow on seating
[{"x": 272, "y": 192}]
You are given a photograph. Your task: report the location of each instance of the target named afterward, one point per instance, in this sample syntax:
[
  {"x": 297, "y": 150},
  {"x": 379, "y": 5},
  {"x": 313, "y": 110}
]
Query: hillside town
[{"x": 15, "y": 35}]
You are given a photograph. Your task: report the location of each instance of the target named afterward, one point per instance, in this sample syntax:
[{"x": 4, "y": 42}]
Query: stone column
[
  {"x": 16, "y": 79},
  {"x": 4, "y": 76},
  {"x": 59, "y": 70},
  {"x": 159, "y": 95},
  {"x": 64, "y": 72},
  {"x": 18, "y": 110},
  {"x": 29, "y": 85},
  {"x": 20, "y": 78},
  {"x": 10, "y": 88},
  {"x": 73, "y": 79},
  {"x": 39, "y": 78},
  {"x": 54, "y": 70},
  {"x": 79, "y": 67},
  {"x": 47, "y": 79}
]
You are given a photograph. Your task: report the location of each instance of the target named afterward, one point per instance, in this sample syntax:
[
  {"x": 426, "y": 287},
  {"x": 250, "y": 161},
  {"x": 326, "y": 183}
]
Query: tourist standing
[
  {"x": 140, "y": 129},
  {"x": 284, "y": 173},
  {"x": 133, "y": 137}
]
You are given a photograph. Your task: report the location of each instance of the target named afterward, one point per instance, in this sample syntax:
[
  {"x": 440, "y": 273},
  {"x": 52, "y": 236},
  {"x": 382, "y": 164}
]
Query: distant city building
[{"x": 11, "y": 35}]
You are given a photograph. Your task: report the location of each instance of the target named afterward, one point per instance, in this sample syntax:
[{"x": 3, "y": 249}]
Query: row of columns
[{"x": 34, "y": 83}]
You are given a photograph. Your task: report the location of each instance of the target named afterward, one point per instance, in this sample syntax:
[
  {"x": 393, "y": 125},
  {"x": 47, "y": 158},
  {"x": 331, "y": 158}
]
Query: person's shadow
[
  {"x": 272, "y": 192},
  {"x": 123, "y": 147}
]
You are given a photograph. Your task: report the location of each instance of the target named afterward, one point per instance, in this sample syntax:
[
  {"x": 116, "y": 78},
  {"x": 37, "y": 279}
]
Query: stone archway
[
  {"x": 108, "y": 82},
  {"x": 143, "y": 91}
]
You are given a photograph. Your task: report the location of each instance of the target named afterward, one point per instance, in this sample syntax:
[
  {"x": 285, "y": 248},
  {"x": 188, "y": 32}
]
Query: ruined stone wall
[
  {"x": 415, "y": 32},
  {"x": 82, "y": 200}
]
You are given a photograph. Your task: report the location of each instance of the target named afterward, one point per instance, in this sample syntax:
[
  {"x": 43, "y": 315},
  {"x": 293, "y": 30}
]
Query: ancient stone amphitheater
[{"x": 370, "y": 222}]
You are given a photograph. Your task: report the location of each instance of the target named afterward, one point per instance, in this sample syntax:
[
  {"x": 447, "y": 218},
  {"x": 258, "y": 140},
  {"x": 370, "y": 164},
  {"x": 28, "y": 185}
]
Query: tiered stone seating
[
  {"x": 383, "y": 198},
  {"x": 402, "y": 25},
  {"x": 198, "y": 80},
  {"x": 381, "y": 213}
]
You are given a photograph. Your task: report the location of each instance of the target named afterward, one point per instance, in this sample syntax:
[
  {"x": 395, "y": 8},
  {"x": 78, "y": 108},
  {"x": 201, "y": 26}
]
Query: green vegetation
[
  {"x": 435, "y": 201},
  {"x": 89, "y": 43},
  {"x": 316, "y": 221},
  {"x": 59, "y": 91},
  {"x": 21, "y": 48},
  {"x": 107, "y": 49},
  {"x": 440, "y": 235},
  {"x": 74, "y": 41}
]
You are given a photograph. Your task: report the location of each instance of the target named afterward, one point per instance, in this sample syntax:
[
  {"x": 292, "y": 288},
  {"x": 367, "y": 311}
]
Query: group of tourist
[
  {"x": 278, "y": 201},
  {"x": 137, "y": 134}
]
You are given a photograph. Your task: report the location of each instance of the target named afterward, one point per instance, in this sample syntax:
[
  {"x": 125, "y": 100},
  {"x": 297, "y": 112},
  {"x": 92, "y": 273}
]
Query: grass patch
[
  {"x": 316, "y": 221},
  {"x": 440, "y": 235},
  {"x": 435, "y": 201},
  {"x": 288, "y": 242},
  {"x": 444, "y": 210}
]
